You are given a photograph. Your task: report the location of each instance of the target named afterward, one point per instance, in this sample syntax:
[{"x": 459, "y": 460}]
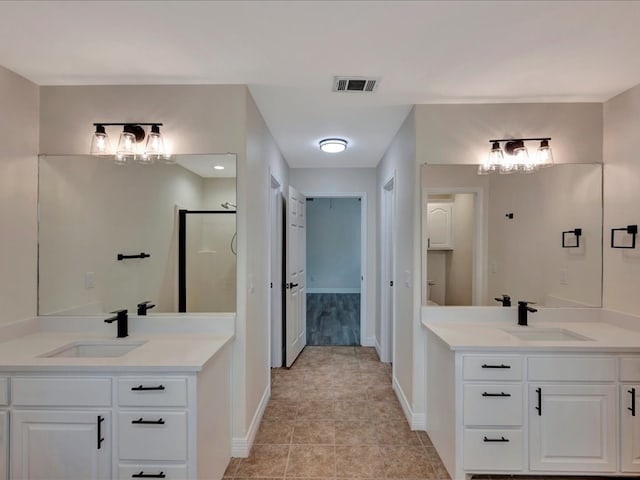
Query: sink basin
[
  {"x": 533, "y": 334},
  {"x": 94, "y": 349}
]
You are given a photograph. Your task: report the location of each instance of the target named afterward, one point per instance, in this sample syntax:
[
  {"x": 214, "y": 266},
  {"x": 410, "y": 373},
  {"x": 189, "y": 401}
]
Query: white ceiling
[
  {"x": 289, "y": 51},
  {"x": 202, "y": 165}
]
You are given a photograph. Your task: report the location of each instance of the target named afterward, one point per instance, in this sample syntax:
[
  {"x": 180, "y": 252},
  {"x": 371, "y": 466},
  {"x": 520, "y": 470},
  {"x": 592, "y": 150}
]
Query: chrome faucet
[
  {"x": 144, "y": 306},
  {"x": 523, "y": 308},
  {"x": 123, "y": 322},
  {"x": 505, "y": 300}
]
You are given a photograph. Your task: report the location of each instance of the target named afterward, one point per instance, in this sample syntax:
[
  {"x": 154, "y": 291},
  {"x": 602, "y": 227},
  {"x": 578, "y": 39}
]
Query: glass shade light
[
  {"x": 544, "y": 156},
  {"x": 494, "y": 160},
  {"x": 333, "y": 145},
  {"x": 155, "y": 145},
  {"x": 100, "y": 143},
  {"x": 126, "y": 146}
]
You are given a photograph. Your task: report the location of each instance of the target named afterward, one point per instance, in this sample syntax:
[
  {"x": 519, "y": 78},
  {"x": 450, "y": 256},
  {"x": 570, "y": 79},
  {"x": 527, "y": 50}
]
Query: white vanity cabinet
[
  {"x": 572, "y": 413},
  {"x": 4, "y": 428},
  {"x": 440, "y": 226},
  {"x": 630, "y": 414},
  {"x": 533, "y": 412}
]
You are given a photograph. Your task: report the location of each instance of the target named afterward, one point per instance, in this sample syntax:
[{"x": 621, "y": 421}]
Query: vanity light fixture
[
  {"x": 333, "y": 145},
  {"x": 129, "y": 146},
  {"x": 515, "y": 156}
]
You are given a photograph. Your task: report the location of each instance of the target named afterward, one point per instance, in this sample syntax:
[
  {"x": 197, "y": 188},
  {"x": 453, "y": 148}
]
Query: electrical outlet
[{"x": 89, "y": 280}]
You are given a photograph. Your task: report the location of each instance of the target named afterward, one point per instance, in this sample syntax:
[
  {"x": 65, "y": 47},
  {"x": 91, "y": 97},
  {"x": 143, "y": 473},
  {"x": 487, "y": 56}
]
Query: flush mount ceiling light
[
  {"x": 333, "y": 145},
  {"x": 130, "y": 143},
  {"x": 515, "y": 156},
  {"x": 218, "y": 167}
]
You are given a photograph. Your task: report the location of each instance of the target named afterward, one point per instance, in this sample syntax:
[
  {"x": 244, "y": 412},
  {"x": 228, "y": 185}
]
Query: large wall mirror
[
  {"x": 111, "y": 236},
  {"x": 533, "y": 236}
]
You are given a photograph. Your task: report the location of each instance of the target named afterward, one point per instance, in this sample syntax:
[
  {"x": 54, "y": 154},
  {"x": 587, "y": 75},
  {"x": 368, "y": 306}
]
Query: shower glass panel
[{"x": 207, "y": 261}]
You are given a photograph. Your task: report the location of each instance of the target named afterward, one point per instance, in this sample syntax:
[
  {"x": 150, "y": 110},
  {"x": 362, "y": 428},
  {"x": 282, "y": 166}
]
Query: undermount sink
[
  {"x": 94, "y": 349},
  {"x": 533, "y": 334}
]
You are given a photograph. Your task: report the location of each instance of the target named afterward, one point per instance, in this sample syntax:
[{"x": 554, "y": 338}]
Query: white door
[
  {"x": 4, "y": 445},
  {"x": 440, "y": 226},
  {"x": 60, "y": 445},
  {"x": 572, "y": 428},
  {"x": 296, "y": 324},
  {"x": 630, "y": 425},
  {"x": 388, "y": 267}
]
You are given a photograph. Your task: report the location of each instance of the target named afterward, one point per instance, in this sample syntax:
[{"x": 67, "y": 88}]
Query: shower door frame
[{"x": 182, "y": 252}]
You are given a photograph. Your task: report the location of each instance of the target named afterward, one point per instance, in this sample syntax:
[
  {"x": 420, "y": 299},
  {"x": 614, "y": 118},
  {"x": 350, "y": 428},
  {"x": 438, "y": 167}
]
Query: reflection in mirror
[
  {"x": 91, "y": 210},
  {"x": 485, "y": 236}
]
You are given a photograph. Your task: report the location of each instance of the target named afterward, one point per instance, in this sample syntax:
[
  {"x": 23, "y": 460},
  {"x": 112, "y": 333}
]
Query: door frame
[
  {"x": 363, "y": 250},
  {"x": 276, "y": 272},
  {"x": 388, "y": 193},
  {"x": 479, "y": 258}
]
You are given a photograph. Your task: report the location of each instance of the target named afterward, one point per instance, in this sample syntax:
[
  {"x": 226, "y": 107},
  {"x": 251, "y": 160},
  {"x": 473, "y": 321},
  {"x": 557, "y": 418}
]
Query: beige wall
[
  {"x": 460, "y": 259},
  {"x": 18, "y": 196},
  {"x": 621, "y": 199},
  {"x": 461, "y": 133},
  {"x": 316, "y": 181},
  {"x": 400, "y": 161}
]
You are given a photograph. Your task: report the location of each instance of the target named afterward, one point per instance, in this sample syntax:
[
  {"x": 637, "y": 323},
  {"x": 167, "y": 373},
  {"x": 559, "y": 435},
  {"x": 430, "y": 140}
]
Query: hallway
[{"x": 334, "y": 415}]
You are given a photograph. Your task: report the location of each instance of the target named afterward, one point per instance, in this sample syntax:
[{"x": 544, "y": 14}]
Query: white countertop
[
  {"x": 483, "y": 335},
  {"x": 160, "y": 352}
]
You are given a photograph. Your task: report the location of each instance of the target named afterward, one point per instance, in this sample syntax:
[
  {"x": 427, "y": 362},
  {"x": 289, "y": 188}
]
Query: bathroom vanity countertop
[
  {"x": 160, "y": 352},
  {"x": 481, "y": 335}
]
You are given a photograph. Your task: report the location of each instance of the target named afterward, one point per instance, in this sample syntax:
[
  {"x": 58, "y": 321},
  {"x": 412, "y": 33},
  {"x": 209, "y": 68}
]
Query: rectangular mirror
[
  {"x": 111, "y": 236},
  {"x": 534, "y": 236}
]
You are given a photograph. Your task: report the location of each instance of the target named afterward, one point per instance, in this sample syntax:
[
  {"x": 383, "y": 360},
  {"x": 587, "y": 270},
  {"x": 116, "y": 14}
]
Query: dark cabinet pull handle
[
  {"x": 501, "y": 439},
  {"x": 141, "y": 421},
  {"x": 495, "y": 366},
  {"x": 148, "y": 475},
  {"x": 539, "y": 407},
  {"x": 100, "y": 437},
  {"x": 141, "y": 388},
  {"x": 632, "y": 408},
  {"x": 501, "y": 394}
]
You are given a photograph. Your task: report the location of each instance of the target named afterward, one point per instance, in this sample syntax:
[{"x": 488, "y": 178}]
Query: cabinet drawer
[
  {"x": 4, "y": 391},
  {"x": 630, "y": 369},
  {"x": 503, "y": 367},
  {"x": 61, "y": 391},
  {"x": 572, "y": 369},
  {"x": 152, "y": 391},
  {"x": 152, "y": 436},
  {"x": 156, "y": 470},
  {"x": 493, "y": 449},
  {"x": 493, "y": 404}
]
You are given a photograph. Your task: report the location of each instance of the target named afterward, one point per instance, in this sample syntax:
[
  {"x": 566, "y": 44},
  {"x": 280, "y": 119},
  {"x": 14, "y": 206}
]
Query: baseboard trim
[
  {"x": 378, "y": 349},
  {"x": 241, "y": 446},
  {"x": 417, "y": 421},
  {"x": 368, "y": 341}
]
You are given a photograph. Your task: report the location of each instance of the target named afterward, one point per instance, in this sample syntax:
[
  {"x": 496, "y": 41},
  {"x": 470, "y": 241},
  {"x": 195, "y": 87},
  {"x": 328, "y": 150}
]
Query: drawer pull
[
  {"x": 632, "y": 408},
  {"x": 496, "y": 440},
  {"x": 484, "y": 365},
  {"x": 100, "y": 437},
  {"x": 142, "y": 421},
  {"x": 539, "y": 407},
  {"x": 148, "y": 475},
  {"x": 501, "y": 394},
  {"x": 141, "y": 388}
]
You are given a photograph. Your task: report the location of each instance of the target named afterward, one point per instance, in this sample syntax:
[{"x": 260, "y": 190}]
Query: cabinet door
[
  {"x": 4, "y": 445},
  {"x": 572, "y": 428},
  {"x": 60, "y": 445},
  {"x": 440, "y": 226},
  {"x": 630, "y": 425}
]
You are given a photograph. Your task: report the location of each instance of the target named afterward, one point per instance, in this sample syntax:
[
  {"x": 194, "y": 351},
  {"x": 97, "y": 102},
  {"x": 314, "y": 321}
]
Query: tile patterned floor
[
  {"x": 334, "y": 415},
  {"x": 333, "y": 319}
]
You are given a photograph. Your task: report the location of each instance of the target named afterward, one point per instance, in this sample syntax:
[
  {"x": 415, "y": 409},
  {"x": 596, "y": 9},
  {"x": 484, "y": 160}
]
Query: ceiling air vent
[{"x": 355, "y": 84}]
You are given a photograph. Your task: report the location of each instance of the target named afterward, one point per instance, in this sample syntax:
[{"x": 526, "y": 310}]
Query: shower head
[{"x": 227, "y": 205}]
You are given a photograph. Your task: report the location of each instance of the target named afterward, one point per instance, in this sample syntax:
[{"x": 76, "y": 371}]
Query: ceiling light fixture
[
  {"x": 515, "y": 157},
  {"x": 130, "y": 143},
  {"x": 218, "y": 167},
  {"x": 333, "y": 145}
]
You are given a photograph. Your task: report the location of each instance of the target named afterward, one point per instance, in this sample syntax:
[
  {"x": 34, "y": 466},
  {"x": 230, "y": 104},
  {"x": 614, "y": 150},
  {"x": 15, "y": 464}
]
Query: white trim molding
[
  {"x": 368, "y": 342},
  {"x": 241, "y": 446},
  {"x": 417, "y": 421}
]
